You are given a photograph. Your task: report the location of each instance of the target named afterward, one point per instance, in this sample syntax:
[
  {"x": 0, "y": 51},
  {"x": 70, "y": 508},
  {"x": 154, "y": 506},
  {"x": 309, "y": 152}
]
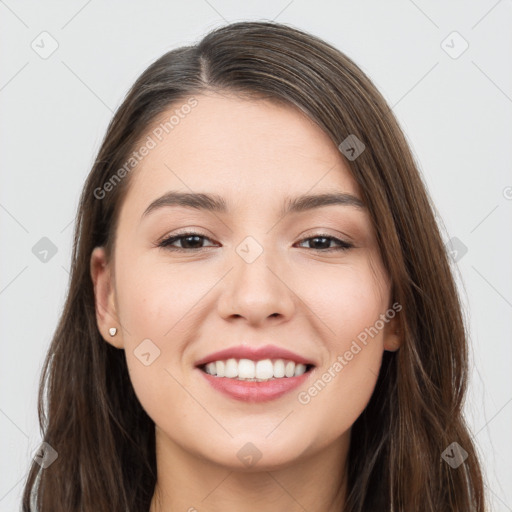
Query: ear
[
  {"x": 104, "y": 298},
  {"x": 393, "y": 334}
]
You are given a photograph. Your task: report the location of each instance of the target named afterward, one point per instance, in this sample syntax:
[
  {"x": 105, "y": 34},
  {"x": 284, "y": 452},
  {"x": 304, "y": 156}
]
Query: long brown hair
[{"x": 92, "y": 418}]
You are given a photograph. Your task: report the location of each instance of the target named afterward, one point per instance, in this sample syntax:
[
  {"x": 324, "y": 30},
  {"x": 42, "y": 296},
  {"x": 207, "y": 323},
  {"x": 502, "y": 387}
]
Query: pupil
[
  {"x": 185, "y": 240},
  {"x": 319, "y": 238}
]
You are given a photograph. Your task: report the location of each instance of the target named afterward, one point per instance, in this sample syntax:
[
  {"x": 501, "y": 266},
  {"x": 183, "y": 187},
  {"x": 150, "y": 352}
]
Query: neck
[{"x": 187, "y": 482}]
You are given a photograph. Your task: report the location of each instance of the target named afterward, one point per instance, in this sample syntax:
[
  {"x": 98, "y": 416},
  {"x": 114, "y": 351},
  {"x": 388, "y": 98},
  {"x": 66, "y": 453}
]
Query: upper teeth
[{"x": 246, "y": 369}]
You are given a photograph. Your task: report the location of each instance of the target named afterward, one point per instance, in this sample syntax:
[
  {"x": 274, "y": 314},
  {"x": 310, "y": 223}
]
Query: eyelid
[
  {"x": 312, "y": 232},
  {"x": 321, "y": 231}
]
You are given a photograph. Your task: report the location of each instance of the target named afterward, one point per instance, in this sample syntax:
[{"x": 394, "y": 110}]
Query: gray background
[{"x": 455, "y": 110}]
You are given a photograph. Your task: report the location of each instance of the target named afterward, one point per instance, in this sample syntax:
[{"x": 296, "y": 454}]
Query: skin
[{"x": 253, "y": 153}]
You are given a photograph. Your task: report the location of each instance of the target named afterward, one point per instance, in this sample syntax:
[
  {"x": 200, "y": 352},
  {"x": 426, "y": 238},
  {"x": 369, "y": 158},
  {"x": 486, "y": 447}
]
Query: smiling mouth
[{"x": 262, "y": 370}]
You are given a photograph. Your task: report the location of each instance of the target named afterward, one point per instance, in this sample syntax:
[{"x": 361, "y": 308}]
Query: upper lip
[{"x": 255, "y": 354}]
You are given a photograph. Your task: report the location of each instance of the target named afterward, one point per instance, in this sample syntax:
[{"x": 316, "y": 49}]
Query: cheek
[
  {"x": 154, "y": 297},
  {"x": 347, "y": 298},
  {"x": 156, "y": 303},
  {"x": 152, "y": 305}
]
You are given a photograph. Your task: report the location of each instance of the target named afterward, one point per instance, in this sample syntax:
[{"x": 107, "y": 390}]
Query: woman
[{"x": 261, "y": 313}]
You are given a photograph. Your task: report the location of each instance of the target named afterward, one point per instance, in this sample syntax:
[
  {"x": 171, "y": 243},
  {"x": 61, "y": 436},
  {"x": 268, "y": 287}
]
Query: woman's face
[{"x": 253, "y": 277}]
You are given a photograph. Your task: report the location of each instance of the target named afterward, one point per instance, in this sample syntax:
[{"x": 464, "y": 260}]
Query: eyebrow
[{"x": 216, "y": 203}]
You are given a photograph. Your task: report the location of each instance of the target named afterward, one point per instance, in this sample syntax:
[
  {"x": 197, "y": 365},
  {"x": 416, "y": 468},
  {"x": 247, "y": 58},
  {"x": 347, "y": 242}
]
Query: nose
[{"x": 257, "y": 291}]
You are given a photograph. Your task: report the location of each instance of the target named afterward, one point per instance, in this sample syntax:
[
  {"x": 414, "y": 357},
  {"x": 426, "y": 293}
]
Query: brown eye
[
  {"x": 322, "y": 243},
  {"x": 188, "y": 241}
]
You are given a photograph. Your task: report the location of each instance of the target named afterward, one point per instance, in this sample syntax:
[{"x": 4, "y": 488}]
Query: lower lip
[{"x": 250, "y": 391}]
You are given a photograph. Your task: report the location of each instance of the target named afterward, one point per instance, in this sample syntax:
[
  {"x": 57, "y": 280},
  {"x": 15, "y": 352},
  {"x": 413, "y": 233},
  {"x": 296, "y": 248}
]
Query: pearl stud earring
[{"x": 112, "y": 331}]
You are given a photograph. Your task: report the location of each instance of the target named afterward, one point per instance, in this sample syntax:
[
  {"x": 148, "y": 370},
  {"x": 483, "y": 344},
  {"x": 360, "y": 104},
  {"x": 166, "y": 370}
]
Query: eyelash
[{"x": 166, "y": 242}]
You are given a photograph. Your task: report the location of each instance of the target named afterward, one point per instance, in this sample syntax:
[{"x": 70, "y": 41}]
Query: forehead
[{"x": 246, "y": 150}]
